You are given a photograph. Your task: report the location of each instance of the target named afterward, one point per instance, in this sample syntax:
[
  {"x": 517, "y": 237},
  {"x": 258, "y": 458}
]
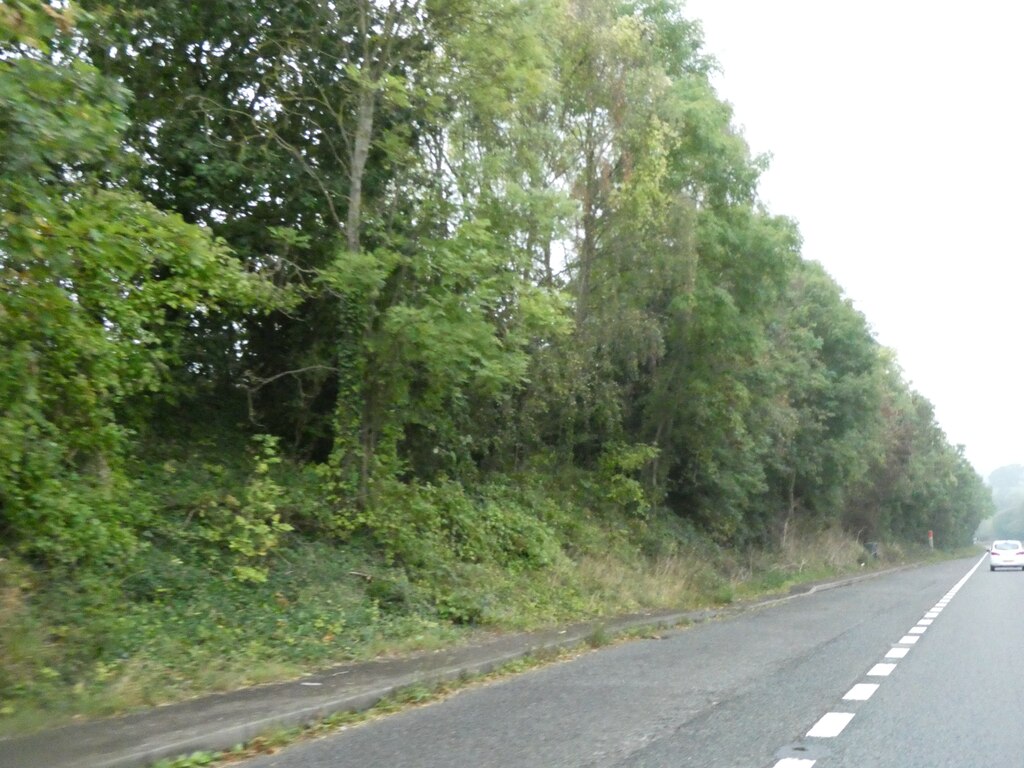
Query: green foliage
[
  {"x": 435, "y": 526},
  {"x": 599, "y": 637},
  {"x": 487, "y": 286},
  {"x": 416, "y": 203},
  {"x": 246, "y": 530},
  {"x": 233, "y": 503},
  {"x": 414, "y": 370},
  {"x": 193, "y": 760},
  {"x": 619, "y": 466},
  {"x": 96, "y": 289}
]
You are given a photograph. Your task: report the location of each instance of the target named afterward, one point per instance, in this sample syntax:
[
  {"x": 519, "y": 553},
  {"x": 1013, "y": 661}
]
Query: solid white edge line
[{"x": 830, "y": 725}]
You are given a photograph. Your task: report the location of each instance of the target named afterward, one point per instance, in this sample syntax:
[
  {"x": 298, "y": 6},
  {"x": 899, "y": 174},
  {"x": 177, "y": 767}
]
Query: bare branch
[{"x": 261, "y": 382}]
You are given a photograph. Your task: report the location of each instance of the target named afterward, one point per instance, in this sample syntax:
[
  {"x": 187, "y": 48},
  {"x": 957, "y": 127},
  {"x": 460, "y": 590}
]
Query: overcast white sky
[{"x": 896, "y": 130}]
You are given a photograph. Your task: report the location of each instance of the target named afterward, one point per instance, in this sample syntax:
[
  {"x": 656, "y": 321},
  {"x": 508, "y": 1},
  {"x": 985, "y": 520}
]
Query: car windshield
[{"x": 1006, "y": 545}]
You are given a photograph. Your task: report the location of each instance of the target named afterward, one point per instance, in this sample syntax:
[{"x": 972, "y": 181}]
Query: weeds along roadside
[
  {"x": 428, "y": 693},
  {"x": 183, "y": 620},
  {"x": 223, "y": 638}
]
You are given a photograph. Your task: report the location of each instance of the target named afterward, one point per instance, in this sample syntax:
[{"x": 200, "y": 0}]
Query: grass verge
[
  {"x": 69, "y": 653},
  {"x": 752, "y": 582}
]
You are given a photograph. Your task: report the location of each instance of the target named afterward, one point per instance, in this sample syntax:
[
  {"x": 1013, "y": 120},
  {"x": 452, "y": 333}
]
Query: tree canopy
[{"x": 421, "y": 242}]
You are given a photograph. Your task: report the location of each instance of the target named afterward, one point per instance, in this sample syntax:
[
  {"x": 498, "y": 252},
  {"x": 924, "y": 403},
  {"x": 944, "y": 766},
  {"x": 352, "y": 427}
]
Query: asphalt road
[{"x": 790, "y": 685}]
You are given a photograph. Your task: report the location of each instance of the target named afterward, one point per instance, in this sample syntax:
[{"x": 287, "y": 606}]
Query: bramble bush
[{"x": 246, "y": 530}]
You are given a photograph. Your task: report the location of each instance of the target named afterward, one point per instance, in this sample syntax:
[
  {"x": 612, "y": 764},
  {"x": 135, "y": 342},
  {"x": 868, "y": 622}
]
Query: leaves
[
  {"x": 98, "y": 288},
  {"x": 422, "y": 243}
]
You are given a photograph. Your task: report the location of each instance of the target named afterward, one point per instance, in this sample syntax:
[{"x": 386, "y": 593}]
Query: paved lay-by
[{"x": 222, "y": 721}]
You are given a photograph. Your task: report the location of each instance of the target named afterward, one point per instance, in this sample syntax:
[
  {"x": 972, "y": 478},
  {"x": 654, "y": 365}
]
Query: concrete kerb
[{"x": 210, "y": 725}]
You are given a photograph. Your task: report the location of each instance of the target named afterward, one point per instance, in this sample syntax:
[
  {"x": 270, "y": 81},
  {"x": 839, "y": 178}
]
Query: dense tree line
[{"x": 418, "y": 242}]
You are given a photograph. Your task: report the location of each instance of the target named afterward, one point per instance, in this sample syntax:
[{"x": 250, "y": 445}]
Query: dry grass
[
  {"x": 675, "y": 581},
  {"x": 690, "y": 580},
  {"x": 832, "y": 549}
]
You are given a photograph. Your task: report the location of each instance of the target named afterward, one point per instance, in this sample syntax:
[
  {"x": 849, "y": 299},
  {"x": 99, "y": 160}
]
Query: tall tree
[{"x": 99, "y": 289}]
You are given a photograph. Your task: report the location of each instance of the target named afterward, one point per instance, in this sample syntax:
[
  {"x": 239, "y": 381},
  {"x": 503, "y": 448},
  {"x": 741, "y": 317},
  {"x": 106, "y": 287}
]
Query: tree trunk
[
  {"x": 360, "y": 151},
  {"x": 588, "y": 247}
]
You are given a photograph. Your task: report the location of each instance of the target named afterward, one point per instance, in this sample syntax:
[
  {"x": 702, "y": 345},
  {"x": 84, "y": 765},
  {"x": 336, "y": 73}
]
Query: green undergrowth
[{"x": 238, "y": 580}]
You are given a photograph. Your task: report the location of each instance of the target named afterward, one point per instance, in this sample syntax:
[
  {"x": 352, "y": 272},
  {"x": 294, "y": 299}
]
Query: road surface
[{"x": 920, "y": 668}]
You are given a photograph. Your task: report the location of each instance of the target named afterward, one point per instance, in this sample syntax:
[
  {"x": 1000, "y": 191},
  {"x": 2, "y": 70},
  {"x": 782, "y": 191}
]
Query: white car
[{"x": 1007, "y": 553}]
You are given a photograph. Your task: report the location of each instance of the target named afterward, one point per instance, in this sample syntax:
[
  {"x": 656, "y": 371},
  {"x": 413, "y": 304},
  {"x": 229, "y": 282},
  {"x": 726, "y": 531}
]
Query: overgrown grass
[
  {"x": 175, "y": 629},
  {"x": 178, "y": 622}
]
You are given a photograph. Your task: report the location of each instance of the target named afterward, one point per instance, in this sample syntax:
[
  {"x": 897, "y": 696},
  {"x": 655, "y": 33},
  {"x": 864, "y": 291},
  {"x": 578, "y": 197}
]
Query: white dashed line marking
[
  {"x": 831, "y": 725},
  {"x": 881, "y": 670},
  {"x": 861, "y": 692}
]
